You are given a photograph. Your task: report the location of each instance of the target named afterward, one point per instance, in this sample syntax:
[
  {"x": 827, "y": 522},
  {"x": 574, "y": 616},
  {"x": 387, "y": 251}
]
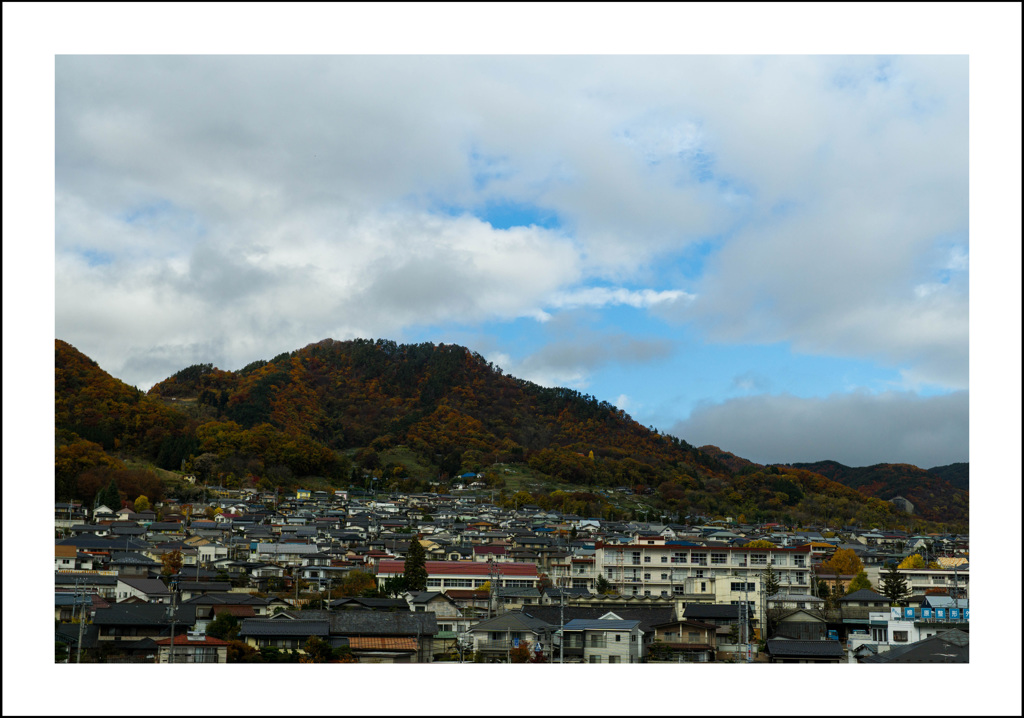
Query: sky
[
  {"x": 765, "y": 253},
  {"x": 761, "y": 243}
]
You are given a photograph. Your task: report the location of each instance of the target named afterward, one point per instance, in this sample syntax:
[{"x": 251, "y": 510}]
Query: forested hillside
[
  {"x": 334, "y": 411},
  {"x": 938, "y": 494}
]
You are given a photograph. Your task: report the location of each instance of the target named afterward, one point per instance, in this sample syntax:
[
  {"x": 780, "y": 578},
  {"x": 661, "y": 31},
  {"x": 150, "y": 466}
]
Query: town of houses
[{"x": 503, "y": 585}]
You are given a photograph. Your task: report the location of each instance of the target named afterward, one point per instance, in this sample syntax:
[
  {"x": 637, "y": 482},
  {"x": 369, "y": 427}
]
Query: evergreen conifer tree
[
  {"x": 416, "y": 567},
  {"x": 894, "y": 586}
]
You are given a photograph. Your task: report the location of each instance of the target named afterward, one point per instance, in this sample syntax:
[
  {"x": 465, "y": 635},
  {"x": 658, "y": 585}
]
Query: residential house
[
  {"x": 605, "y": 640},
  {"x": 686, "y": 641},
  {"x": 192, "y": 647},
  {"x": 150, "y": 590},
  {"x": 495, "y": 637}
]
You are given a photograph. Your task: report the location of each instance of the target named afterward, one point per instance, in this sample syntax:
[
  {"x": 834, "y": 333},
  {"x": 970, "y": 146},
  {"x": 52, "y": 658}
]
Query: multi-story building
[
  {"x": 920, "y": 580},
  {"x": 652, "y": 567},
  {"x": 442, "y": 575}
]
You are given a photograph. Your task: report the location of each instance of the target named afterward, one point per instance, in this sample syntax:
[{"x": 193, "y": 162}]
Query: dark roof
[
  {"x": 132, "y": 558},
  {"x": 278, "y": 627},
  {"x": 864, "y": 594},
  {"x": 143, "y": 614},
  {"x": 104, "y": 544},
  {"x": 701, "y": 611},
  {"x": 210, "y": 586},
  {"x": 67, "y": 633},
  {"x": 648, "y": 616},
  {"x": 947, "y": 647},
  {"x": 375, "y": 623},
  {"x": 89, "y": 579},
  {"x": 373, "y": 603},
  {"x": 784, "y": 648}
]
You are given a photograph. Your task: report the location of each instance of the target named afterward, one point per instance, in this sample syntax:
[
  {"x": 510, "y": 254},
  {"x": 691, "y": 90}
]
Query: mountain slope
[{"x": 933, "y": 494}]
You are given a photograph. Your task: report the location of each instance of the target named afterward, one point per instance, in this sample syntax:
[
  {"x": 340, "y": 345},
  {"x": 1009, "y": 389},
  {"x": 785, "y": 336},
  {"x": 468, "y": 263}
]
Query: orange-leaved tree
[{"x": 843, "y": 562}]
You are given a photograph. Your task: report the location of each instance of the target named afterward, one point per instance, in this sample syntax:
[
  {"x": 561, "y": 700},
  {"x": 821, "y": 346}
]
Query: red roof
[{"x": 461, "y": 568}]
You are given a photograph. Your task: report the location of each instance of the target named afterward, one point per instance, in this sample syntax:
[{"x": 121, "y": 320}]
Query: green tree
[
  {"x": 859, "y": 581},
  {"x": 416, "y": 567},
  {"x": 894, "y": 586},
  {"x": 225, "y": 627},
  {"x": 769, "y": 582},
  {"x": 604, "y": 586},
  {"x": 109, "y": 497},
  {"x": 317, "y": 650}
]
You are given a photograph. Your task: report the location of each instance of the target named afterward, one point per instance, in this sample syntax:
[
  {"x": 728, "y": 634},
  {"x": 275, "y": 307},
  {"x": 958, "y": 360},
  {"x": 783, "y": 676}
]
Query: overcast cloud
[{"x": 854, "y": 429}]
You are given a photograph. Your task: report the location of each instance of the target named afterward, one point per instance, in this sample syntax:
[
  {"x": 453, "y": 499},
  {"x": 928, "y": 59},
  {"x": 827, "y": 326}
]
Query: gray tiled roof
[
  {"x": 947, "y": 647},
  {"x": 375, "y": 623},
  {"x": 279, "y": 627},
  {"x": 143, "y": 614}
]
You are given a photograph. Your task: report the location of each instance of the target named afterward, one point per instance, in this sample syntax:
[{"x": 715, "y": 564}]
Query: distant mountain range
[{"x": 336, "y": 408}]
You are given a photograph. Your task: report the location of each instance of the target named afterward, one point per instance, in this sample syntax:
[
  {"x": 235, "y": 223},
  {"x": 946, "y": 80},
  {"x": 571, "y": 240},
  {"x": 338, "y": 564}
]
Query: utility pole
[
  {"x": 561, "y": 625},
  {"x": 81, "y": 622},
  {"x": 174, "y": 619}
]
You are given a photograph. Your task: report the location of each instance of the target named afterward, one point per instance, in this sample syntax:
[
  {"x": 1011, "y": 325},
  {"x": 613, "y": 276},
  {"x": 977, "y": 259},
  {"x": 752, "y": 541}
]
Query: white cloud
[
  {"x": 612, "y": 296},
  {"x": 232, "y": 189}
]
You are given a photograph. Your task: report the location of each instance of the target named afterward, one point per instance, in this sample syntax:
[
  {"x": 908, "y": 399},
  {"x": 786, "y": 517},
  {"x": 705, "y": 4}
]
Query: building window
[
  {"x": 701, "y": 559},
  {"x": 880, "y": 635},
  {"x": 664, "y": 559},
  {"x": 703, "y": 586},
  {"x": 759, "y": 559},
  {"x": 664, "y": 577},
  {"x": 647, "y": 577},
  {"x": 647, "y": 559},
  {"x": 900, "y": 636},
  {"x": 613, "y": 659},
  {"x": 618, "y": 638},
  {"x": 595, "y": 659},
  {"x": 719, "y": 558}
]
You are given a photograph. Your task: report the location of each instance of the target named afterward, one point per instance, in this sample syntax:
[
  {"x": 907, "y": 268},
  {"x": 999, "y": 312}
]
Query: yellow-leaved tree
[
  {"x": 912, "y": 561},
  {"x": 759, "y": 543}
]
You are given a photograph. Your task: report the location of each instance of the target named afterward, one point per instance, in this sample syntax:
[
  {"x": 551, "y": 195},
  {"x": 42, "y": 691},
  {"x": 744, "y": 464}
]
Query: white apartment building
[{"x": 649, "y": 567}]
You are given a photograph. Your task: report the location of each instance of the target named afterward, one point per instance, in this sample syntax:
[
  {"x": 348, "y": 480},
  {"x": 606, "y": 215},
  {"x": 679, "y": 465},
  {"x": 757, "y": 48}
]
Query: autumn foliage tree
[
  {"x": 172, "y": 562},
  {"x": 844, "y": 562},
  {"x": 912, "y": 561}
]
